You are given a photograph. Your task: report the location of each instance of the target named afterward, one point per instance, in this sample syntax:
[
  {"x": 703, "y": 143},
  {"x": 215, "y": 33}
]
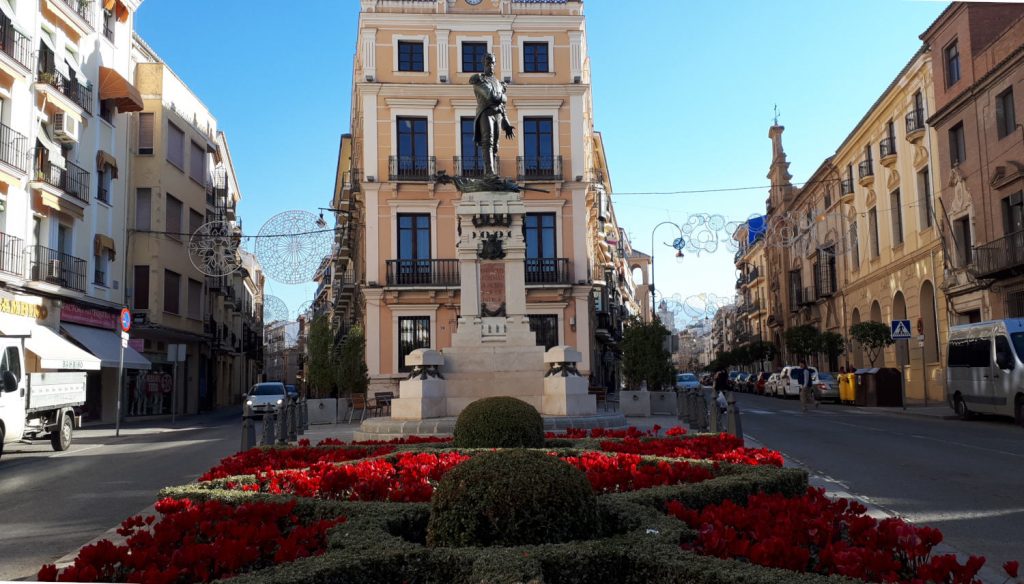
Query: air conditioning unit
[
  {"x": 65, "y": 128},
  {"x": 53, "y": 269}
]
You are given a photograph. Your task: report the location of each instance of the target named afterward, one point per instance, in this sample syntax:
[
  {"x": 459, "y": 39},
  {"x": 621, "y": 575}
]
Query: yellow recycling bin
[{"x": 847, "y": 388}]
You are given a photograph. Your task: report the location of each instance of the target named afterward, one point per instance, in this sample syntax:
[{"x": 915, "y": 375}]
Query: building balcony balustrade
[
  {"x": 14, "y": 44},
  {"x": 866, "y": 172},
  {"x": 426, "y": 273},
  {"x": 72, "y": 181},
  {"x": 54, "y": 267},
  {"x": 808, "y": 297},
  {"x": 846, "y": 186},
  {"x": 80, "y": 94},
  {"x": 1001, "y": 258},
  {"x": 412, "y": 168},
  {"x": 915, "y": 125},
  {"x": 81, "y": 8},
  {"x": 471, "y": 166},
  {"x": 548, "y": 272},
  {"x": 12, "y": 255},
  {"x": 543, "y": 168},
  {"x": 14, "y": 150},
  {"x": 753, "y": 275},
  {"x": 887, "y": 151}
]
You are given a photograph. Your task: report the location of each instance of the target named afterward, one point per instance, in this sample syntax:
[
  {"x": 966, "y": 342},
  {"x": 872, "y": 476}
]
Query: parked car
[
  {"x": 293, "y": 393},
  {"x": 748, "y": 382},
  {"x": 769, "y": 386},
  {"x": 761, "y": 382},
  {"x": 826, "y": 386},
  {"x": 687, "y": 381},
  {"x": 985, "y": 368},
  {"x": 266, "y": 396},
  {"x": 787, "y": 386},
  {"x": 734, "y": 380}
]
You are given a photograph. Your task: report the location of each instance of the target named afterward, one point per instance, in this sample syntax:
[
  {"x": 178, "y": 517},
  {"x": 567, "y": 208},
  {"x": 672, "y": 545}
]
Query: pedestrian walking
[{"x": 805, "y": 380}]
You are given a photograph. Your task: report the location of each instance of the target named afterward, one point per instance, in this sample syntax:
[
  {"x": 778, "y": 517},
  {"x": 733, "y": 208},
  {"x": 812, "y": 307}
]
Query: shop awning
[
  {"x": 117, "y": 89},
  {"x": 106, "y": 345},
  {"x": 55, "y": 352},
  {"x": 45, "y": 200},
  {"x": 104, "y": 158}
]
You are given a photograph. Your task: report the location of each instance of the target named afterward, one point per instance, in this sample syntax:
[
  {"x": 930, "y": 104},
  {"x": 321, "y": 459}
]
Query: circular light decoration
[
  {"x": 213, "y": 249},
  {"x": 290, "y": 246},
  {"x": 274, "y": 309},
  {"x": 303, "y": 308}
]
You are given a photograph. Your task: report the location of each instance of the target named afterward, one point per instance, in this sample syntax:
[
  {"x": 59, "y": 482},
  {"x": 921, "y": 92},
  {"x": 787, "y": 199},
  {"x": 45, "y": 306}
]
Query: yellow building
[{"x": 751, "y": 282}]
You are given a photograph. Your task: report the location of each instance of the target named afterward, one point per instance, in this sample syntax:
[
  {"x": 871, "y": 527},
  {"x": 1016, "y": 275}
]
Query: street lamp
[{"x": 677, "y": 244}]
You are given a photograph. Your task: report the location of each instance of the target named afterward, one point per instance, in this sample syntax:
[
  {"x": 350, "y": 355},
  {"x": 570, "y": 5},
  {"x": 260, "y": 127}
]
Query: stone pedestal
[
  {"x": 565, "y": 391},
  {"x": 663, "y": 402},
  {"x": 635, "y": 403},
  {"x": 423, "y": 394}
]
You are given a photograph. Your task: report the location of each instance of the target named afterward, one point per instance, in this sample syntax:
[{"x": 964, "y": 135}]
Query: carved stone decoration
[
  {"x": 487, "y": 312},
  {"x": 495, "y": 220},
  {"x": 424, "y": 372},
  {"x": 894, "y": 179},
  {"x": 920, "y": 155},
  {"x": 961, "y": 196},
  {"x": 871, "y": 198},
  {"x": 562, "y": 369},
  {"x": 491, "y": 248}
]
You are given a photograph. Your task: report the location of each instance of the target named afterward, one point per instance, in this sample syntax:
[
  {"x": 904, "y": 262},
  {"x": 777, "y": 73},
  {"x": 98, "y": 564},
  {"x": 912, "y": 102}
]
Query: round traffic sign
[{"x": 126, "y": 320}]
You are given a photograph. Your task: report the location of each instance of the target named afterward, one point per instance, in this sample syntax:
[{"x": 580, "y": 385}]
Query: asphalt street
[
  {"x": 964, "y": 477},
  {"x": 52, "y": 503}
]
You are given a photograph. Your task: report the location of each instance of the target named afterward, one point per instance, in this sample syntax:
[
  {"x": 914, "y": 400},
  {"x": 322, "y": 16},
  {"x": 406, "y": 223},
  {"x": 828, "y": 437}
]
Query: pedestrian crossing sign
[{"x": 900, "y": 329}]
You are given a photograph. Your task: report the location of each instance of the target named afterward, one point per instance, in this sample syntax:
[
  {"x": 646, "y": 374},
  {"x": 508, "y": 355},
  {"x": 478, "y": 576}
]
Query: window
[
  {"x": 545, "y": 327},
  {"x": 195, "y": 299},
  {"x": 539, "y": 230},
  {"x": 413, "y": 158},
  {"x": 962, "y": 237},
  {"x": 145, "y": 133},
  {"x": 108, "y": 25},
  {"x": 854, "y": 245},
  {"x": 970, "y": 353},
  {"x": 795, "y": 289},
  {"x": 957, "y": 146},
  {"x": 535, "y": 57},
  {"x": 64, "y": 242},
  {"x": 172, "y": 292},
  {"x": 538, "y": 146},
  {"x": 828, "y": 196},
  {"x": 1006, "y": 118},
  {"x": 195, "y": 220},
  {"x": 413, "y": 333},
  {"x": 173, "y": 221},
  {"x": 140, "y": 289},
  {"x": 896, "y": 210},
  {"x": 107, "y": 111},
  {"x": 101, "y": 262},
  {"x": 103, "y": 177},
  {"x": 143, "y": 209},
  {"x": 410, "y": 56},
  {"x": 873, "y": 228},
  {"x": 473, "y": 54},
  {"x": 472, "y": 161},
  {"x": 197, "y": 164},
  {"x": 927, "y": 205},
  {"x": 952, "y": 58},
  {"x": 176, "y": 146},
  {"x": 414, "y": 264},
  {"x": 1013, "y": 213}
]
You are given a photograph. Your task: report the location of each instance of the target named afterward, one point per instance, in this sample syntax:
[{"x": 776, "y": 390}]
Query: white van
[
  {"x": 787, "y": 386},
  {"x": 984, "y": 369}
]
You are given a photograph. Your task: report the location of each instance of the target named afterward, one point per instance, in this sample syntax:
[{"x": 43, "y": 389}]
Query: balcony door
[
  {"x": 541, "y": 248},
  {"x": 1013, "y": 227},
  {"x": 538, "y": 147},
  {"x": 413, "y": 158},
  {"x": 414, "y": 253}
]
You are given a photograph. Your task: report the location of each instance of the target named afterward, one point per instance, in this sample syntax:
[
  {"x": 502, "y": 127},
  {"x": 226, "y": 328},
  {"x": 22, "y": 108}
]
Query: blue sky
[{"x": 683, "y": 96}]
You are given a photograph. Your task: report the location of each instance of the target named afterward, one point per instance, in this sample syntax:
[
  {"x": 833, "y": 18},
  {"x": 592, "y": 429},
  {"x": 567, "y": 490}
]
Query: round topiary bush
[
  {"x": 509, "y": 498},
  {"x": 499, "y": 422}
]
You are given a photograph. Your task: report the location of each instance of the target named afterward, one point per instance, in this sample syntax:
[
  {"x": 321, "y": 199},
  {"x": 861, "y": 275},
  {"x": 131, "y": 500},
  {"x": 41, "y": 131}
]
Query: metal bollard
[
  {"x": 716, "y": 418},
  {"x": 269, "y": 427},
  {"x": 305, "y": 414},
  {"x": 691, "y": 409},
  {"x": 293, "y": 434},
  {"x": 281, "y": 428},
  {"x": 248, "y": 429},
  {"x": 681, "y": 405},
  {"x": 735, "y": 426},
  {"x": 702, "y": 412}
]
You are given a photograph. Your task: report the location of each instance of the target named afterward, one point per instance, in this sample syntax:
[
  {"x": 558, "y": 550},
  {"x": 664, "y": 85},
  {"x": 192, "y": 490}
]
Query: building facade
[
  {"x": 751, "y": 282},
  {"x": 412, "y": 119}
]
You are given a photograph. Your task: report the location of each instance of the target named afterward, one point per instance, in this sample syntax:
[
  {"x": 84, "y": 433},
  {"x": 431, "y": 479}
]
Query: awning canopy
[
  {"x": 55, "y": 352},
  {"x": 104, "y": 158},
  {"x": 103, "y": 242},
  {"x": 115, "y": 88},
  {"x": 118, "y": 8},
  {"x": 106, "y": 345}
]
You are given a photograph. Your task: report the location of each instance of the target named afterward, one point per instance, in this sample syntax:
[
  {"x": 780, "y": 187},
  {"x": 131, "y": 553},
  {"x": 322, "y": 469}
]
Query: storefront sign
[
  {"x": 22, "y": 308},
  {"x": 88, "y": 316}
]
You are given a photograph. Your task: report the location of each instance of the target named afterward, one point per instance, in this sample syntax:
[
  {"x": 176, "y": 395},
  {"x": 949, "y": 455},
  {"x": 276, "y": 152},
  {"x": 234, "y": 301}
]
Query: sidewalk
[{"x": 941, "y": 411}]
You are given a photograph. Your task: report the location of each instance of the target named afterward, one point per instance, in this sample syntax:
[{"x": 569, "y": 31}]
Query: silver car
[
  {"x": 266, "y": 397},
  {"x": 687, "y": 381},
  {"x": 826, "y": 386}
]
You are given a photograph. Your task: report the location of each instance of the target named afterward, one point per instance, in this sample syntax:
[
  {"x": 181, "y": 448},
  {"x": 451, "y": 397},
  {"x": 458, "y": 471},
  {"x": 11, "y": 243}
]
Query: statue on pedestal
[{"x": 491, "y": 119}]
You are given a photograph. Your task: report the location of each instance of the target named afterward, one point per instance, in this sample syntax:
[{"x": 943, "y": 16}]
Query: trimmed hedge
[
  {"x": 512, "y": 497},
  {"x": 499, "y": 422}
]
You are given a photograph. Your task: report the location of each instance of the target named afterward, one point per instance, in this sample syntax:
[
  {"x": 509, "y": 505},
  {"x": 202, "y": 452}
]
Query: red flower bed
[
  {"x": 250, "y": 461},
  {"x": 629, "y": 472},
  {"x": 631, "y": 432},
  {"x": 197, "y": 543},
  {"x": 816, "y": 534},
  {"x": 721, "y": 447}
]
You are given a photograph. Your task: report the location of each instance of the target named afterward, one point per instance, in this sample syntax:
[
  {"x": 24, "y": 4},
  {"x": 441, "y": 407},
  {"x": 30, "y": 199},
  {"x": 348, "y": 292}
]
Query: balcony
[
  {"x": 846, "y": 186},
  {"x": 544, "y": 168},
  {"x": 80, "y": 95},
  {"x": 808, "y": 297},
  {"x": 12, "y": 255},
  {"x": 471, "y": 166},
  {"x": 72, "y": 181},
  {"x": 1001, "y": 258},
  {"x": 866, "y": 172},
  {"x": 14, "y": 44},
  {"x": 14, "y": 148},
  {"x": 548, "y": 272},
  {"x": 54, "y": 267},
  {"x": 423, "y": 273},
  {"x": 412, "y": 168},
  {"x": 887, "y": 151},
  {"x": 915, "y": 125},
  {"x": 753, "y": 275}
]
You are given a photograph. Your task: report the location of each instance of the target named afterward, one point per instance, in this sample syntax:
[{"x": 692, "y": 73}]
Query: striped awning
[
  {"x": 117, "y": 89},
  {"x": 118, "y": 8}
]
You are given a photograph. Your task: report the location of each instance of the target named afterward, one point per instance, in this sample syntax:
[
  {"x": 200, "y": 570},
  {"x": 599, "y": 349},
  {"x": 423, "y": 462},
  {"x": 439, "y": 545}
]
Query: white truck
[{"x": 36, "y": 405}]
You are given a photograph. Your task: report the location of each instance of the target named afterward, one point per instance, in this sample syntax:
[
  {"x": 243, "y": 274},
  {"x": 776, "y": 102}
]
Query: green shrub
[
  {"x": 512, "y": 497},
  {"x": 499, "y": 422}
]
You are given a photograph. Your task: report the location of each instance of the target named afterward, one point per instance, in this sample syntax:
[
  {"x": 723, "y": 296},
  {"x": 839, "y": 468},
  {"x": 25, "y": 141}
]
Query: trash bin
[
  {"x": 846, "y": 388},
  {"x": 879, "y": 386}
]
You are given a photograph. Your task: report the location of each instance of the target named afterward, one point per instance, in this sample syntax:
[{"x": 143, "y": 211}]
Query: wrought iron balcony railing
[
  {"x": 49, "y": 265},
  {"x": 424, "y": 273},
  {"x": 12, "y": 255},
  {"x": 866, "y": 169},
  {"x": 14, "y": 44},
  {"x": 540, "y": 271},
  {"x": 71, "y": 88},
  {"x": 846, "y": 186},
  {"x": 412, "y": 168},
  {"x": 540, "y": 167},
  {"x": 471, "y": 165},
  {"x": 14, "y": 148},
  {"x": 887, "y": 147},
  {"x": 1001, "y": 257},
  {"x": 73, "y": 180},
  {"x": 915, "y": 121},
  {"x": 81, "y": 8}
]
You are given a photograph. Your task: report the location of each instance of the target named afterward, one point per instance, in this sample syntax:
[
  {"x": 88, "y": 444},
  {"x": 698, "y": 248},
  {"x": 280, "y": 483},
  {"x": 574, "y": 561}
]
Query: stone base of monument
[
  {"x": 565, "y": 391},
  {"x": 390, "y": 428},
  {"x": 423, "y": 394}
]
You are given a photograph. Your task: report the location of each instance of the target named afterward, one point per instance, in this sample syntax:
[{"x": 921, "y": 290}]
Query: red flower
[{"x": 1011, "y": 568}]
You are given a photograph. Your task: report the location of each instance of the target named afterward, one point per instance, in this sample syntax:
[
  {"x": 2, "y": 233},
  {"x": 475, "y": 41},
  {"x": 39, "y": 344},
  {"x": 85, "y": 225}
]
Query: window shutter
[{"x": 145, "y": 133}]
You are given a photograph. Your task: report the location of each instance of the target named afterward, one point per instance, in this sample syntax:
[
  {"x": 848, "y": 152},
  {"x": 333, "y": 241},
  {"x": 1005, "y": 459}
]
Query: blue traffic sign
[
  {"x": 126, "y": 320},
  {"x": 900, "y": 329}
]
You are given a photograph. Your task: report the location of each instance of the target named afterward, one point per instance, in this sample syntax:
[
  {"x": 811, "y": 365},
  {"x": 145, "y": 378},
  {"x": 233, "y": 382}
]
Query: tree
[
  {"x": 352, "y": 374},
  {"x": 761, "y": 351},
  {"x": 322, "y": 366},
  {"x": 873, "y": 336},
  {"x": 644, "y": 358},
  {"x": 803, "y": 341},
  {"x": 832, "y": 344}
]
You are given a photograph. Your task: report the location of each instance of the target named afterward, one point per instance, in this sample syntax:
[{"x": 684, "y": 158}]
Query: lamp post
[{"x": 679, "y": 254}]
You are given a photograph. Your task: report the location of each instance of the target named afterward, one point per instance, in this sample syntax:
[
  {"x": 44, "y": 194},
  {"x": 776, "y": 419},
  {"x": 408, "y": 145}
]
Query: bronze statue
[{"x": 491, "y": 119}]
